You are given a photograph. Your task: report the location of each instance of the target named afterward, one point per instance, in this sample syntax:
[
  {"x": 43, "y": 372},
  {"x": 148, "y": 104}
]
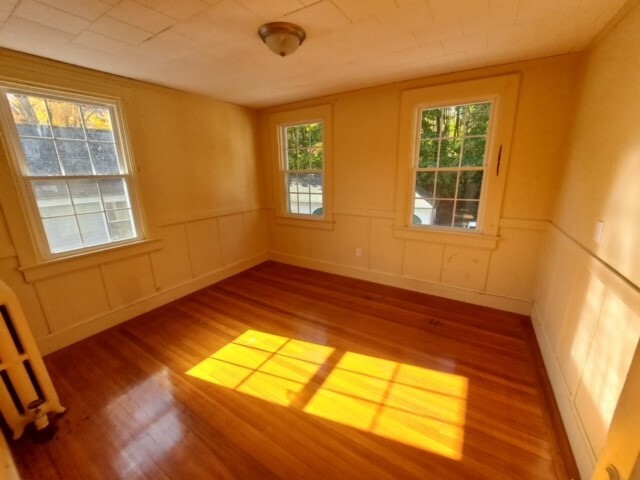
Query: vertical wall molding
[{"x": 587, "y": 321}]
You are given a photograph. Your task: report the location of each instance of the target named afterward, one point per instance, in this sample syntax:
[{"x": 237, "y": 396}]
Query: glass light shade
[{"x": 282, "y": 38}]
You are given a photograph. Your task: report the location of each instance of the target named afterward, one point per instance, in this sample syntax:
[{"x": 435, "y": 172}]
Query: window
[
  {"x": 301, "y": 150},
  {"x": 303, "y": 168},
  {"x": 449, "y": 165},
  {"x": 453, "y": 154},
  {"x": 73, "y": 163}
]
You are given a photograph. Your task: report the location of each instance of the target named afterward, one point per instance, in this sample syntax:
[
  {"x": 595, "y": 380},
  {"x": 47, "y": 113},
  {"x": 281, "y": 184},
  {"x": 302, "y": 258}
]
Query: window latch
[{"x": 499, "y": 158}]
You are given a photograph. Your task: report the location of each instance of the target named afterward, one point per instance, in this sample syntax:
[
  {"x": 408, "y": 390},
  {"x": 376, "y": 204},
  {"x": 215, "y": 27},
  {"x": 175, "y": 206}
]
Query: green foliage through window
[
  {"x": 304, "y": 165},
  {"x": 450, "y": 165},
  {"x": 304, "y": 146}
]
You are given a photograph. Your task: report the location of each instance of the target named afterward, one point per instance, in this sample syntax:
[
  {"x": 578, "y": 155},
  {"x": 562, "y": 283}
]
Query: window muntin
[
  {"x": 71, "y": 156},
  {"x": 303, "y": 169},
  {"x": 449, "y": 165}
]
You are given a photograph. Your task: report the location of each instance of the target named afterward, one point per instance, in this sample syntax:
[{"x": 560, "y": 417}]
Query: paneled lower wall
[
  {"x": 503, "y": 277},
  {"x": 64, "y": 307},
  {"x": 587, "y": 320}
]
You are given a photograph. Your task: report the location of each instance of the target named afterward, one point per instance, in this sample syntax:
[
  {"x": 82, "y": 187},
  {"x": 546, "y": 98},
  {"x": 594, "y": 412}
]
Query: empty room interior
[{"x": 312, "y": 239}]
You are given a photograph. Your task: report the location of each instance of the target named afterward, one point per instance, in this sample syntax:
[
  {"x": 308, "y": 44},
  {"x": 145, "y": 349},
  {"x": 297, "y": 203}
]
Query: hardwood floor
[{"x": 282, "y": 372}]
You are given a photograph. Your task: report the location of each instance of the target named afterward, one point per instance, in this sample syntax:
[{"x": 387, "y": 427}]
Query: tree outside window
[
  {"x": 72, "y": 161},
  {"x": 304, "y": 168},
  {"x": 449, "y": 165}
]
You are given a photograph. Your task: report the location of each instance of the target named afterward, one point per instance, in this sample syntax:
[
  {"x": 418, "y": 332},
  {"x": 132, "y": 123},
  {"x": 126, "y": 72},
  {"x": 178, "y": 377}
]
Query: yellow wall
[
  {"x": 198, "y": 174},
  {"x": 587, "y": 304},
  {"x": 365, "y": 155},
  {"x": 208, "y": 195}
]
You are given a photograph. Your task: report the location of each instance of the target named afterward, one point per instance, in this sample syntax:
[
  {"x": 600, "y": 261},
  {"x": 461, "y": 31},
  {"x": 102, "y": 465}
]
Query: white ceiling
[{"x": 211, "y": 47}]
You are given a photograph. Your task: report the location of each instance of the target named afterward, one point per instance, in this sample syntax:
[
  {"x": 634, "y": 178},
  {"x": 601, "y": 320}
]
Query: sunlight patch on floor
[
  {"x": 413, "y": 405},
  {"x": 263, "y": 365},
  {"x": 416, "y": 406}
]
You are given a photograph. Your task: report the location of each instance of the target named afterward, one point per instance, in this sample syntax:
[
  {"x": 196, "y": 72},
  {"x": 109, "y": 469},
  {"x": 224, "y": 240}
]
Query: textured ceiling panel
[{"x": 211, "y": 47}]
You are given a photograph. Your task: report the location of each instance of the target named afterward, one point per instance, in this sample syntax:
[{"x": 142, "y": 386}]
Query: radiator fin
[
  {"x": 12, "y": 329},
  {"x": 23, "y": 374},
  {"x": 34, "y": 379},
  {"x": 11, "y": 389}
]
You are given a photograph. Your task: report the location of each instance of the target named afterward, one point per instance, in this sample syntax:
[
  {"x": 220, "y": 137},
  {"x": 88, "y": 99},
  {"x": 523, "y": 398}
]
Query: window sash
[
  {"x": 85, "y": 228},
  {"x": 315, "y": 200},
  {"x": 448, "y": 210}
]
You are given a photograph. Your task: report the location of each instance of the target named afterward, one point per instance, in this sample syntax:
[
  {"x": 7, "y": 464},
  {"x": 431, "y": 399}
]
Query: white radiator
[{"x": 24, "y": 379}]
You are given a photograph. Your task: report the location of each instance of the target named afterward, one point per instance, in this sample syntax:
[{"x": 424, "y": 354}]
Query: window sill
[
  {"x": 447, "y": 237},
  {"x": 59, "y": 266},
  {"x": 319, "y": 223}
]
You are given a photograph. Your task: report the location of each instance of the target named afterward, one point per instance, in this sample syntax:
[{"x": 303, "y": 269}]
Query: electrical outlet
[{"x": 358, "y": 252}]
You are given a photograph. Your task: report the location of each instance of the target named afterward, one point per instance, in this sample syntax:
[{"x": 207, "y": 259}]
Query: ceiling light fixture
[{"x": 281, "y": 37}]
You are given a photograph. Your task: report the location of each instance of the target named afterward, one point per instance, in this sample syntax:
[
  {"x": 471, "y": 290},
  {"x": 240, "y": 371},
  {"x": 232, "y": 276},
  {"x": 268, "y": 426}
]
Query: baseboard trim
[
  {"x": 582, "y": 452},
  {"x": 565, "y": 462},
  {"x": 485, "y": 299},
  {"x": 63, "y": 338}
]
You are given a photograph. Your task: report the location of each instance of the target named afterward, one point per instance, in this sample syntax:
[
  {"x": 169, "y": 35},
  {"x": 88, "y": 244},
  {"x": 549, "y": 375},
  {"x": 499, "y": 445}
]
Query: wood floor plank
[{"x": 341, "y": 378}]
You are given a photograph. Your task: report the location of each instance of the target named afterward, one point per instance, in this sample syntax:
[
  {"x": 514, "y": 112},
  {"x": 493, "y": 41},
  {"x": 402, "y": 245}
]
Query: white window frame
[
  {"x": 286, "y": 171},
  {"x": 502, "y": 93},
  {"x": 23, "y": 180},
  {"x": 277, "y": 125},
  {"x": 457, "y": 169}
]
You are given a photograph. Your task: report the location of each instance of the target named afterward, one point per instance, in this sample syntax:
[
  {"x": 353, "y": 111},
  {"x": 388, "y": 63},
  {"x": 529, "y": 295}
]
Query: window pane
[
  {"x": 97, "y": 123},
  {"x": 466, "y": 214},
  {"x": 316, "y": 158},
  {"x": 446, "y": 184},
  {"x": 469, "y": 184},
  {"x": 423, "y": 200},
  {"x": 431, "y": 126},
  {"x": 422, "y": 216},
  {"x": 478, "y": 118},
  {"x": 474, "y": 151},
  {"x": 52, "y": 198},
  {"x": 105, "y": 158},
  {"x": 316, "y": 192},
  {"x": 450, "y": 152},
  {"x": 316, "y": 204},
  {"x": 305, "y": 135},
  {"x": 74, "y": 157},
  {"x": 453, "y": 119},
  {"x": 292, "y": 193},
  {"x": 425, "y": 184},
  {"x": 65, "y": 119},
  {"x": 428, "y": 154},
  {"x": 293, "y": 159},
  {"x": 115, "y": 194},
  {"x": 443, "y": 214},
  {"x": 120, "y": 224},
  {"x": 118, "y": 215},
  {"x": 93, "y": 228},
  {"x": 292, "y": 134},
  {"x": 30, "y": 115},
  {"x": 41, "y": 156},
  {"x": 304, "y": 193},
  {"x": 304, "y": 159},
  {"x": 304, "y": 146},
  {"x": 62, "y": 233},
  {"x": 86, "y": 196},
  {"x": 311, "y": 135}
]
